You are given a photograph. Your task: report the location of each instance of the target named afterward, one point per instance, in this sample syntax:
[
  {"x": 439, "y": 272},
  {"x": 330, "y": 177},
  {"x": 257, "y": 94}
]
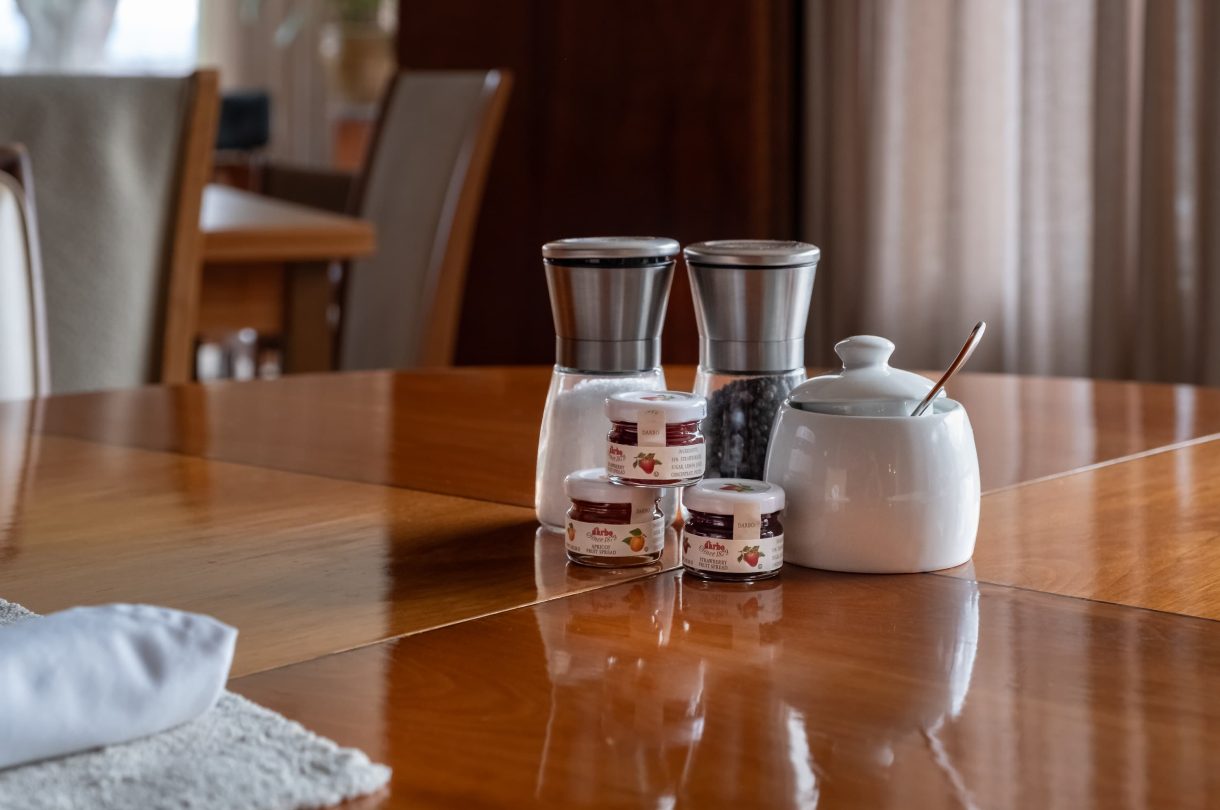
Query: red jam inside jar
[
  {"x": 655, "y": 438},
  {"x": 710, "y": 524}
]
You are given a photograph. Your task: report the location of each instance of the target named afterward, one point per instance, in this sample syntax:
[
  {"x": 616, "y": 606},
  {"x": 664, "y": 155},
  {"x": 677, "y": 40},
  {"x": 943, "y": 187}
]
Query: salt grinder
[{"x": 608, "y": 298}]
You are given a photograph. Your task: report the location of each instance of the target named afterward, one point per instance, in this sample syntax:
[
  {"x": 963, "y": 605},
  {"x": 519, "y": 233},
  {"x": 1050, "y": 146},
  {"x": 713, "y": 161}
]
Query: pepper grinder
[
  {"x": 608, "y": 298},
  {"x": 751, "y": 304}
]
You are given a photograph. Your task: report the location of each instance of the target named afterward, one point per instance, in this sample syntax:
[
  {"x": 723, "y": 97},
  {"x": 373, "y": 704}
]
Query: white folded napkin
[{"x": 94, "y": 676}]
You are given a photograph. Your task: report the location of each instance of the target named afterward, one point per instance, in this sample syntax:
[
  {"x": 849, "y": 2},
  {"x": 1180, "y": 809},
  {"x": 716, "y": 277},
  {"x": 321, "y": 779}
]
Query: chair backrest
[
  {"x": 421, "y": 186},
  {"x": 23, "y": 338},
  {"x": 121, "y": 162}
]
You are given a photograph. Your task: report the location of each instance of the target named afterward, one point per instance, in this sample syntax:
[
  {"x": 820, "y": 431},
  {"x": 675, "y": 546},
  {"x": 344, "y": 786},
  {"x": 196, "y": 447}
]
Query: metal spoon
[{"x": 976, "y": 334}]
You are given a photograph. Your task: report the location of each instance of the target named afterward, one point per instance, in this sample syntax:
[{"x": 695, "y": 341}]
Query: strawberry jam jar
[
  {"x": 610, "y": 526},
  {"x": 734, "y": 531},
  {"x": 655, "y": 438}
]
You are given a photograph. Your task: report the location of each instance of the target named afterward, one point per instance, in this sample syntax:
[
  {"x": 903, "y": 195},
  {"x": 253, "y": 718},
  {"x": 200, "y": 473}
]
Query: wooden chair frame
[{"x": 186, "y": 251}]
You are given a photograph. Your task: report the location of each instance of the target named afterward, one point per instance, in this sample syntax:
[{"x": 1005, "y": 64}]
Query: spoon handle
[{"x": 967, "y": 349}]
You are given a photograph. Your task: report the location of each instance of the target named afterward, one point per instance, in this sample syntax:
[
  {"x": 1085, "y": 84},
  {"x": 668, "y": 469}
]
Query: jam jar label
[
  {"x": 615, "y": 539},
  {"x": 732, "y": 556},
  {"x": 646, "y": 463}
]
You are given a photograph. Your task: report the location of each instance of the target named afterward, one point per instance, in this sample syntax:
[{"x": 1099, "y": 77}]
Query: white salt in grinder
[
  {"x": 608, "y": 298},
  {"x": 752, "y": 303}
]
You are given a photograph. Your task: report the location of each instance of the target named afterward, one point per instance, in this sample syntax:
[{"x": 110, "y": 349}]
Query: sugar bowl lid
[
  {"x": 675, "y": 406},
  {"x": 721, "y": 496},
  {"x": 867, "y": 384}
]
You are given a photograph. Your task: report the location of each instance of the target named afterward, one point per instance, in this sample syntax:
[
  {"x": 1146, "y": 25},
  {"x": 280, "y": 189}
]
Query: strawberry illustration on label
[
  {"x": 685, "y": 544},
  {"x": 646, "y": 462},
  {"x": 749, "y": 555},
  {"x": 571, "y": 532},
  {"x": 659, "y": 397},
  {"x": 737, "y": 488},
  {"x": 635, "y": 540}
]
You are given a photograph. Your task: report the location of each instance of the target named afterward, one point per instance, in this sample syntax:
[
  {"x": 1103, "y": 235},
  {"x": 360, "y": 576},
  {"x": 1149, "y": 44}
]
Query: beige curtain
[
  {"x": 272, "y": 45},
  {"x": 1050, "y": 167}
]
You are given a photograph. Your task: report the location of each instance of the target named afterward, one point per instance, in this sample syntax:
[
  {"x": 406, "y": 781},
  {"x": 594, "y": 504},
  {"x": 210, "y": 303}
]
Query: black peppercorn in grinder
[{"x": 751, "y": 303}]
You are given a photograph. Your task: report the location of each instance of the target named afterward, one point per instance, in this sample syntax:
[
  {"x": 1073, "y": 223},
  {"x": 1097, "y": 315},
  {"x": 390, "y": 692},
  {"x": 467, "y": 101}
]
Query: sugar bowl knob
[{"x": 864, "y": 351}]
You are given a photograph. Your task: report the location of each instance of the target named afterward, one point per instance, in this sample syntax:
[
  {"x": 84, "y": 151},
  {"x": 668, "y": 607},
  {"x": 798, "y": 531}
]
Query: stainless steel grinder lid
[
  {"x": 752, "y": 302},
  {"x": 608, "y": 299}
]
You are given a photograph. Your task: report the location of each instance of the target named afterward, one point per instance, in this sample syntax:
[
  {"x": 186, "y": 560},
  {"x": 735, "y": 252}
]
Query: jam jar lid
[
  {"x": 611, "y": 247},
  {"x": 752, "y": 253},
  {"x": 593, "y": 486},
  {"x": 675, "y": 406},
  {"x": 720, "y": 496}
]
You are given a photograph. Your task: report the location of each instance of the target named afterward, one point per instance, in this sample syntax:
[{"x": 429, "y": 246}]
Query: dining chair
[
  {"x": 23, "y": 339},
  {"x": 121, "y": 163},
  {"x": 421, "y": 186}
]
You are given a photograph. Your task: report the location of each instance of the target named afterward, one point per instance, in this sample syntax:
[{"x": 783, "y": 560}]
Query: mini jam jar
[
  {"x": 611, "y": 526},
  {"x": 734, "y": 531},
  {"x": 655, "y": 438}
]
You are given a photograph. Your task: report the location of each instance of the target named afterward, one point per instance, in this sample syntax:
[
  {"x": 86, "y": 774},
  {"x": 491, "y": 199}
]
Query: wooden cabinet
[{"x": 672, "y": 118}]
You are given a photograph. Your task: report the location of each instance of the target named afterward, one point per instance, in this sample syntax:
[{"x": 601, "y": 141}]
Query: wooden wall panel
[{"x": 671, "y": 118}]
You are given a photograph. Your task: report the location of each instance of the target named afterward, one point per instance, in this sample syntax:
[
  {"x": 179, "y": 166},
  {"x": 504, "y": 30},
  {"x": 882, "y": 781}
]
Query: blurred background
[{"x": 1049, "y": 166}]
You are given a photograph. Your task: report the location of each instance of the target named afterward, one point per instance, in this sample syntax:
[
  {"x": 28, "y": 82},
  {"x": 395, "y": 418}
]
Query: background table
[
  {"x": 264, "y": 269},
  {"x": 371, "y": 536}
]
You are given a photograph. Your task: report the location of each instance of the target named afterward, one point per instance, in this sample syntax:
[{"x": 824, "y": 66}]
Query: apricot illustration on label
[
  {"x": 571, "y": 532},
  {"x": 647, "y": 462},
  {"x": 635, "y": 540},
  {"x": 749, "y": 555},
  {"x": 737, "y": 488}
]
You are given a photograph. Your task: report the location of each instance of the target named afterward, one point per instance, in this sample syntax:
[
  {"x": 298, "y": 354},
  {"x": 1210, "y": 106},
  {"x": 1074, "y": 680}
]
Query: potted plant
[{"x": 357, "y": 47}]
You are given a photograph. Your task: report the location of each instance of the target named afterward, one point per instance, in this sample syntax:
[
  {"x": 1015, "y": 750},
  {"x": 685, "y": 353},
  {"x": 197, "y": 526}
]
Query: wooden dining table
[
  {"x": 265, "y": 267},
  {"x": 372, "y": 538}
]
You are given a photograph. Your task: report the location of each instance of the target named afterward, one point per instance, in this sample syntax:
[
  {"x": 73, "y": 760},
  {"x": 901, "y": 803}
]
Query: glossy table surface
[
  {"x": 475, "y": 433},
  {"x": 370, "y": 536}
]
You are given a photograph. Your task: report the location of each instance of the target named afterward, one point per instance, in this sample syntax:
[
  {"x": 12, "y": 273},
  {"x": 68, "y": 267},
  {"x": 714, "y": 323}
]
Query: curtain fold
[
  {"x": 272, "y": 45},
  {"x": 1048, "y": 167}
]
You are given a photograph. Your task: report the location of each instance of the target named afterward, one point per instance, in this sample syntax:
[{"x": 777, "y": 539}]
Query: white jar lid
[
  {"x": 676, "y": 406},
  {"x": 593, "y": 486},
  {"x": 719, "y": 496}
]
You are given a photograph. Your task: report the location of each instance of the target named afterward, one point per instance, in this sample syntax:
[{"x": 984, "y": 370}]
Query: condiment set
[{"x": 871, "y": 469}]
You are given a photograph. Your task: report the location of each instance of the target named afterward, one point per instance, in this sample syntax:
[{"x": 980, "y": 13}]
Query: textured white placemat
[{"x": 238, "y": 756}]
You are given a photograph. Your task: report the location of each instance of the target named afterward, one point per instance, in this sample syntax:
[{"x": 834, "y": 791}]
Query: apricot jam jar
[
  {"x": 655, "y": 438},
  {"x": 734, "y": 531},
  {"x": 610, "y": 526}
]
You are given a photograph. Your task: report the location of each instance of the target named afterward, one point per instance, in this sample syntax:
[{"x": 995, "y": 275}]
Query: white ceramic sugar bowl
[{"x": 870, "y": 488}]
